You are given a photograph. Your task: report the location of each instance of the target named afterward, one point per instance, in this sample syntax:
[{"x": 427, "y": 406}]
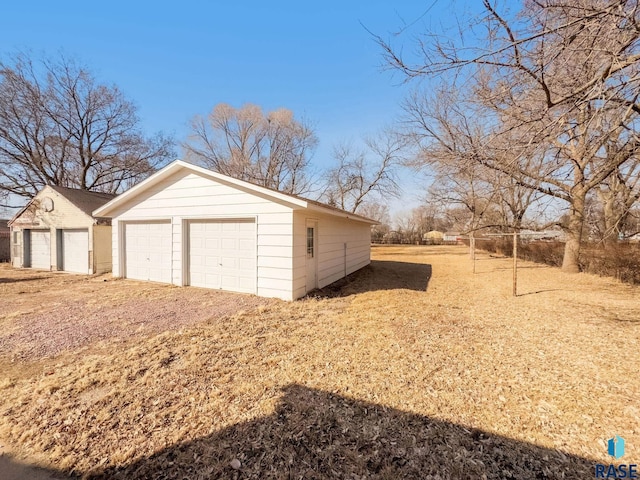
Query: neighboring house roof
[
  {"x": 84, "y": 200},
  {"x": 4, "y": 224},
  {"x": 292, "y": 201}
]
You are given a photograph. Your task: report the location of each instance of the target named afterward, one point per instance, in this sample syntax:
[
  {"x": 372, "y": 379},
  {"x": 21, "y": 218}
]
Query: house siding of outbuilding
[
  {"x": 101, "y": 257},
  {"x": 189, "y": 196},
  {"x": 334, "y": 261}
]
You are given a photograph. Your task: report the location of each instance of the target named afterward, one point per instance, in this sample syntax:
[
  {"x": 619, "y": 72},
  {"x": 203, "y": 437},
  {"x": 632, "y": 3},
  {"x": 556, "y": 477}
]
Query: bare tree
[
  {"x": 273, "y": 149},
  {"x": 617, "y": 195},
  {"x": 379, "y": 212},
  {"x": 59, "y": 126},
  {"x": 566, "y": 75},
  {"x": 366, "y": 175}
]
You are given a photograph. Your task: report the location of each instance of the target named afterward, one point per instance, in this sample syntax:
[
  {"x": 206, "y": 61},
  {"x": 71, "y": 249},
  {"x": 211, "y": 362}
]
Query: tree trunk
[
  {"x": 610, "y": 220},
  {"x": 570, "y": 261}
]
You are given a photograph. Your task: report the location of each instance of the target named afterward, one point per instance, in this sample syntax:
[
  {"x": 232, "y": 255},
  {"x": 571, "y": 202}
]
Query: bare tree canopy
[
  {"x": 271, "y": 149},
  {"x": 368, "y": 174},
  {"x": 559, "y": 82},
  {"x": 60, "y": 126}
]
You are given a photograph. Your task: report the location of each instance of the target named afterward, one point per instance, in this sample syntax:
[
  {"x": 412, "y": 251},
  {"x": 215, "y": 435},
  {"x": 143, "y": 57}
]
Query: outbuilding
[
  {"x": 186, "y": 225},
  {"x": 56, "y": 231},
  {"x": 5, "y": 244}
]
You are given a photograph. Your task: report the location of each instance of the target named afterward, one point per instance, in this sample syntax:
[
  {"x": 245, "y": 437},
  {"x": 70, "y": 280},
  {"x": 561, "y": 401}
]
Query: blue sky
[{"x": 178, "y": 59}]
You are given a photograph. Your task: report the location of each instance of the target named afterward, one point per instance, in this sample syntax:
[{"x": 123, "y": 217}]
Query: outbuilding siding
[{"x": 333, "y": 233}]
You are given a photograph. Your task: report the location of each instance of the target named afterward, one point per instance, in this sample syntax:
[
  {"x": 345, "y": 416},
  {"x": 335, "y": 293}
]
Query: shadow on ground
[
  {"x": 380, "y": 275},
  {"x": 315, "y": 434},
  {"x": 16, "y": 280},
  {"x": 12, "y": 470}
]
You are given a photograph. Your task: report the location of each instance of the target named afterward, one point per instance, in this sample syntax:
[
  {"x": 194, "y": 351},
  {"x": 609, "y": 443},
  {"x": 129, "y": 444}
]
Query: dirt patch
[
  {"x": 441, "y": 377},
  {"x": 59, "y": 312}
]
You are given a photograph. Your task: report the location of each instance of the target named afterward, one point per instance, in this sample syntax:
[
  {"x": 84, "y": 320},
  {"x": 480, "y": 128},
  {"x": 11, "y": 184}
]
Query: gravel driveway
[{"x": 43, "y": 314}]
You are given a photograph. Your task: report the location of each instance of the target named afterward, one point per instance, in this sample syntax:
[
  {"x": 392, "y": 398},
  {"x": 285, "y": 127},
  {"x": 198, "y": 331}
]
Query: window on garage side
[{"x": 310, "y": 244}]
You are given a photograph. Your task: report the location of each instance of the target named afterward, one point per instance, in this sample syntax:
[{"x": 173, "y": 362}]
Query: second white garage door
[
  {"x": 148, "y": 251},
  {"x": 75, "y": 251},
  {"x": 222, "y": 255}
]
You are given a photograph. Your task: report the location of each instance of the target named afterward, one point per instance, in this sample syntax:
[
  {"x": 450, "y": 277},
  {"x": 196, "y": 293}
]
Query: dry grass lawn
[{"x": 414, "y": 368}]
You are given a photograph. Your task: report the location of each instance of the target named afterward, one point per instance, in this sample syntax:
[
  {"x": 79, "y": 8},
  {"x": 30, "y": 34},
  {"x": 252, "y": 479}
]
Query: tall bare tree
[
  {"x": 566, "y": 75},
  {"x": 365, "y": 175},
  {"x": 271, "y": 149},
  {"x": 60, "y": 126},
  {"x": 380, "y": 212}
]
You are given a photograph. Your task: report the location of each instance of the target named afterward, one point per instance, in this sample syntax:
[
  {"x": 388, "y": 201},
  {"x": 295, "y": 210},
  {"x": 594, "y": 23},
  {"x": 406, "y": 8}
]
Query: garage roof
[
  {"x": 85, "y": 200},
  {"x": 293, "y": 201}
]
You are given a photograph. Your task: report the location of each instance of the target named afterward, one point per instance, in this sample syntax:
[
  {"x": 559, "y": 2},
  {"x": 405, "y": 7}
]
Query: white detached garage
[
  {"x": 55, "y": 231},
  {"x": 187, "y": 225}
]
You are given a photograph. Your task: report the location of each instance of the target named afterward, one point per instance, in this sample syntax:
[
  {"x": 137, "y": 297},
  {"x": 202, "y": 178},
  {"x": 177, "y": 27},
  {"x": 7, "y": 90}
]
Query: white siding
[
  {"x": 102, "y": 248},
  {"x": 332, "y": 234},
  {"x": 188, "y": 196}
]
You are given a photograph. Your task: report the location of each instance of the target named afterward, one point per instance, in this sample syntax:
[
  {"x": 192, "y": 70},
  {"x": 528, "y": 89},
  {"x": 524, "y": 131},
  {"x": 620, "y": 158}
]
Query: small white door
[
  {"x": 148, "y": 251},
  {"x": 40, "y": 249},
  {"x": 312, "y": 255},
  {"x": 222, "y": 254},
  {"x": 75, "y": 251}
]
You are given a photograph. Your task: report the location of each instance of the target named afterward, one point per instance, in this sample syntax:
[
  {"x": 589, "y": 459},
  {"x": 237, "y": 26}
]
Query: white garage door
[
  {"x": 75, "y": 251},
  {"x": 222, "y": 255},
  {"x": 148, "y": 251},
  {"x": 41, "y": 249}
]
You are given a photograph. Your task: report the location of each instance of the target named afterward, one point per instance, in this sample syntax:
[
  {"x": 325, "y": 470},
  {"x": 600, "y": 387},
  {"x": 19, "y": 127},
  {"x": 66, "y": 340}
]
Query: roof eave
[{"x": 341, "y": 213}]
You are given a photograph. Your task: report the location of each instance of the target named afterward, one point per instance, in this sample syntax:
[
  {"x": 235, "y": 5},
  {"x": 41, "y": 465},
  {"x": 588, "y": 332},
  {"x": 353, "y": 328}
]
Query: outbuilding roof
[
  {"x": 85, "y": 200},
  {"x": 173, "y": 168}
]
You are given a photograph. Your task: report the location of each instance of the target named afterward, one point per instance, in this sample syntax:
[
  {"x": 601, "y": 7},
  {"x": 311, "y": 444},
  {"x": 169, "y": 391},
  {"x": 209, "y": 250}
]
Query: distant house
[
  {"x": 186, "y": 225},
  {"x": 451, "y": 237},
  {"x": 434, "y": 237},
  {"x": 56, "y": 231},
  {"x": 546, "y": 235},
  {"x": 5, "y": 244}
]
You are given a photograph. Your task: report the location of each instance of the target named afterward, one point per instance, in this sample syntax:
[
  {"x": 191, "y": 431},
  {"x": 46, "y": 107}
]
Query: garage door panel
[
  {"x": 246, "y": 244},
  {"x": 210, "y": 243},
  {"x": 222, "y": 255},
  {"x": 41, "y": 249},
  {"x": 148, "y": 251},
  {"x": 75, "y": 251}
]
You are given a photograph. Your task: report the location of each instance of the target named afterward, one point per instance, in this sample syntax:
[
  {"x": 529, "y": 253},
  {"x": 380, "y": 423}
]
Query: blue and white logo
[{"x": 616, "y": 446}]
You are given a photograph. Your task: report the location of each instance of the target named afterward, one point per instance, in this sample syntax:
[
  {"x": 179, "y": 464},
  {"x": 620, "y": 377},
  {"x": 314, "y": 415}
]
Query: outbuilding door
[
  {"x": 40, "y": 249},
  {"x": 75, "y": 251},
  {"x": 222, "y": 254},
  {"x": 148, "y": 251}
]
